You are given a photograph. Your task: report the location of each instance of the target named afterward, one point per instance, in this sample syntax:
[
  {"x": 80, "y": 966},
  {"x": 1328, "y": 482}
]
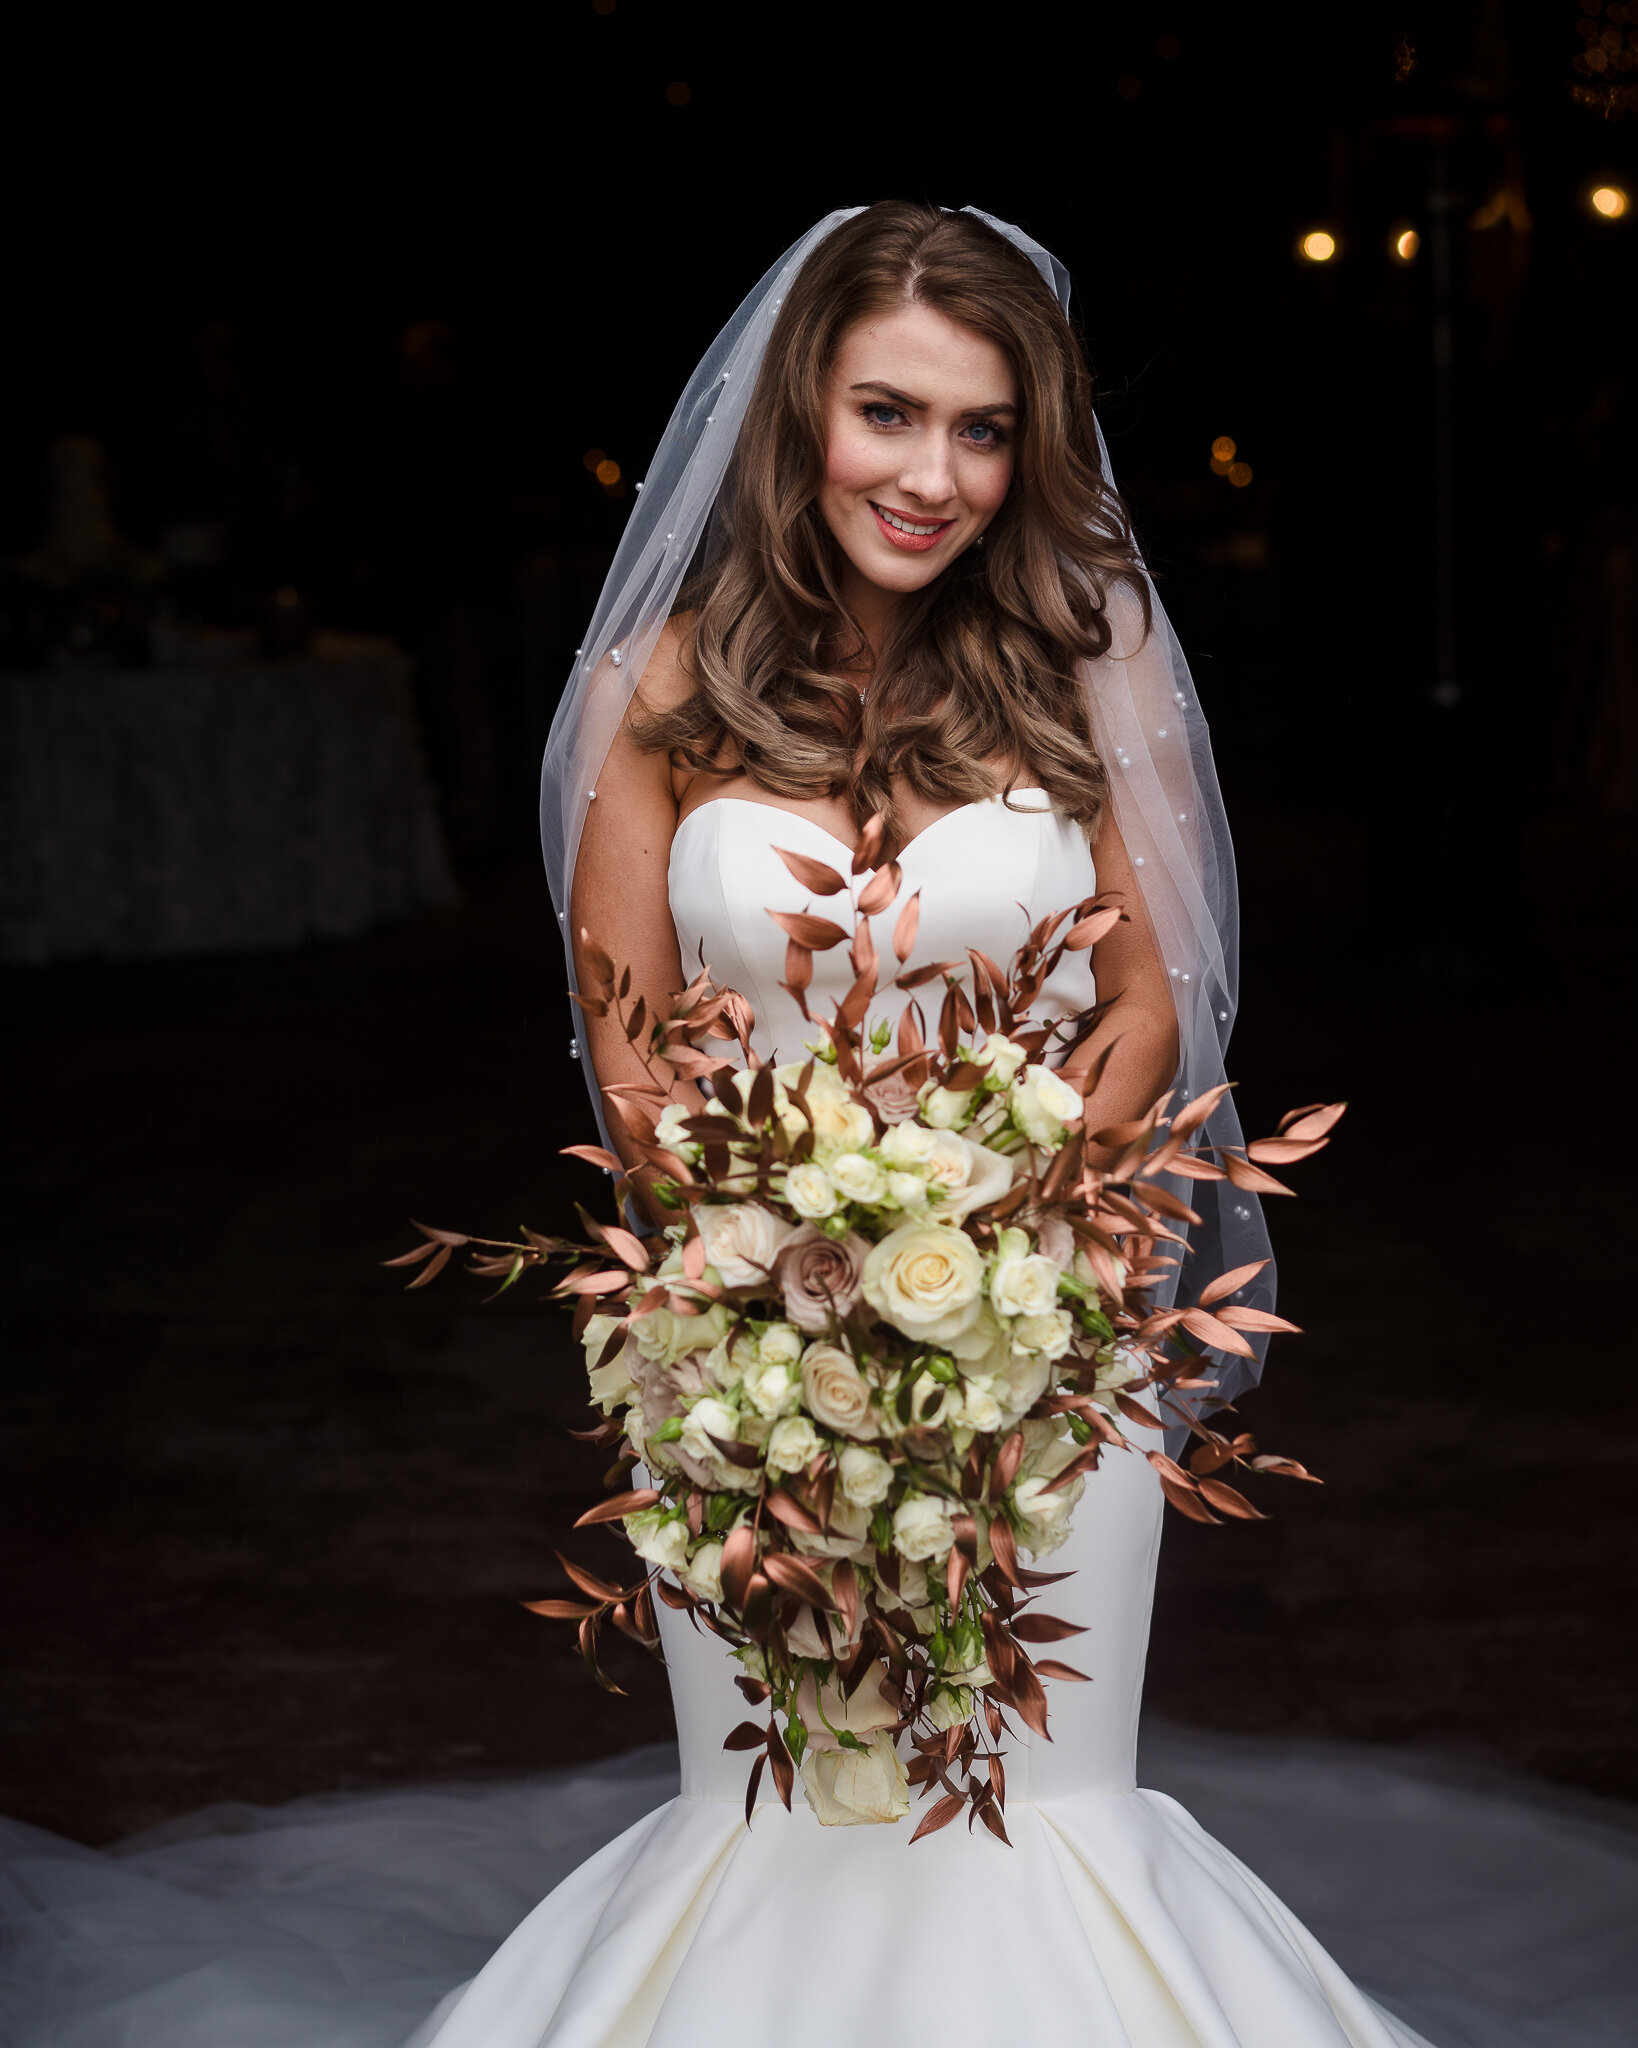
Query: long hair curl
[{"x": 980, "y": 666}]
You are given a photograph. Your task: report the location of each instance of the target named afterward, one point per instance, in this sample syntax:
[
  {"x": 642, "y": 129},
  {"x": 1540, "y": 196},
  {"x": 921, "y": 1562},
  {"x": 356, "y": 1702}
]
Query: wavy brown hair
[{"x": 978, "y": 667}]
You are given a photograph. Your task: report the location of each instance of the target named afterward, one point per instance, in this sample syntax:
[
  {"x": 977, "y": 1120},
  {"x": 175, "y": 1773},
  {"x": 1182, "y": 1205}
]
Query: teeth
[{"x": 904, "y": 525}]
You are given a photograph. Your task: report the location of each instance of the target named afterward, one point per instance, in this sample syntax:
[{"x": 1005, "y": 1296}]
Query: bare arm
[
  {"x": 1141, "y": 1022},
  {"x": 620, "y": 893}
]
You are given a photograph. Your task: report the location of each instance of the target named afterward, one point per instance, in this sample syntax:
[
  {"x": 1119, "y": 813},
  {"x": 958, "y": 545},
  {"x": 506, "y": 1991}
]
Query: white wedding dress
[{"x": 1492, "y": 1917}]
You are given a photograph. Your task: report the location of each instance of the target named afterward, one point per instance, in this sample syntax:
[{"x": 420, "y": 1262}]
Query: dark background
[{"x": 360, "y": 308}]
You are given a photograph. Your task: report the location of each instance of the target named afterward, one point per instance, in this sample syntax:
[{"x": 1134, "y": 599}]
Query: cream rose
[
  {"x": 839, "y": 1123},
  {"x": 659, "y": 1538},
  {"x": 779, "y": 1344},
  {"x": 857, "y": 1178},
  {"x": 849, "y": 1534},
  {"x": 944, "y": 1108},
  {"x": 1025, "y": 1286},
  {"x": 742, "y": 1240},
  {"x": 1044, "y": 1517},
  {"x": 668, "y": 1132},
  {"x": 791, "y": 1444},
  {"x": 773, "y": 1389},
  {"x": 666, "y": 1338},
  {"x": 984, "y": 1176},
  {"x": 925, "y": 1280},
  {"x": 907, "y": 1191},
  {"x": 1000, "y": 1056},
  {"x": 837, "y": 1395},
  {"x": 708, "y": 1418},
  {"x": 1048, "y": 1334},
  {"x": 1020, "y": 1384},
  {"x": 921, "y": 1528},
  {"x": 1042, "y": 1104},
  {"x": 979, "y": 1410},
  {"x": 866, "y": 1476},
  {"x": 848, "y": 1787},
  {"x": 810, "y": 1191},
  {"x": 863, "y": 1712},
  {"x": 702, "y": 1574},
  {"x": 907, "y": 1145}
]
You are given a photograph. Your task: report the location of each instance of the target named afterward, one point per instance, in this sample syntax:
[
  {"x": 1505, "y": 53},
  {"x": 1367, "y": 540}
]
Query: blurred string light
[
  {"x": 1609, "y": 202},
  {"x": 606, "y": 471},
  {"x": 1225, "y": 462},
  {"x": 679, "y": 92},
  {"x": 1403, "y": 243},
  {"x": 1317, "y": 246},
  {"x": 1605, "y": 68},
  {"x": 1169, "y": 47},
  {"x": 1129, "y": 85}
]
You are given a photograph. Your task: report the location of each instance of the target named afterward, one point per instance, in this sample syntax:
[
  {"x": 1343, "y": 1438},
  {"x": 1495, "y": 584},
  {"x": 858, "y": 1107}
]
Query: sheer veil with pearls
[{"x": 1145, "y": 716}]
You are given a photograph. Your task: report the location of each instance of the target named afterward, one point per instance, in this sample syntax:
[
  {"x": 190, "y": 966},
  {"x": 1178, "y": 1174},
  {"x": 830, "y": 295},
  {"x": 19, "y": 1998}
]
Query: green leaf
[{"x": 668, "y": 1432}]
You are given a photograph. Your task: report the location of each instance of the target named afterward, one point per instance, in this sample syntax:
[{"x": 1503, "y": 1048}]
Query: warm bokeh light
[
  {"x": 1317, "y": 246},
  {"x": 679, "y": 92},
  {"x": 592, "y": 457},
  {"x": 1222, "y": 449},
  {"x": 1405, "y": 243},
  {"x": 1169, "y": 47},
  {"x": 1609, "y": 200},
  {"x": 1240, "y": 475},
  {"x": 1129, "y": 86},
  {"x": 602, "y": 6},
  {"x": 607, "y": 472}
]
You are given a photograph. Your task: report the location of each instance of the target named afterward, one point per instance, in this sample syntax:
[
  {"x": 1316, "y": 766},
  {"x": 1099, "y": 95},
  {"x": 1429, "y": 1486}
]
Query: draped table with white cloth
[{"x": 223, "y": 806}]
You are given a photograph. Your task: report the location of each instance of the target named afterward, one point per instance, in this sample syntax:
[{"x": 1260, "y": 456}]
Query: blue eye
[
  {"x": 880, "y": 406},
  {"x": 990, "y": 430}
]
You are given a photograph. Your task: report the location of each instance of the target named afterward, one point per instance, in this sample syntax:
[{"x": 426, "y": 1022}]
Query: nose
[{"x": 929, "y": 475}]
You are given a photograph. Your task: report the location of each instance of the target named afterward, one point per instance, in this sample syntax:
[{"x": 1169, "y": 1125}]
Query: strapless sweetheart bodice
[{"x": 986, "y": 873}]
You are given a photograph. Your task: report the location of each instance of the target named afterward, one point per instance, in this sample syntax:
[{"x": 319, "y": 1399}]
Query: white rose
[
  {"x": 741, "y": 1240},
  {"x": 1024, "y": 1287},
  {"x": 1045, "y": 1516},
  {"x": 858, "y": 1178},
  {"x": 1048, "y": 1334},
  {"x": 907, "y": 1144},
  {"x": 780, "y": 1344},
  {"x": 669, "y": 1132},
  {"x": 728, "y": 1363},
  {"x": 1042, "y": 1105},
  {"x": 944, "y": 1108},
  {"x": 792, "y": 1444},
  {"x": 864, "y": 1711},
  {"x": 708, "y": 1418},
  {"x": 811, "y": 1191},
  {"x": 949, "y": 1706},
  {"x": 659, "y": 1538},
  {"x": 847, "y": 1787},
  {"x": 925, "y": 1280},
  {"x": 702, "y": 1574},
  {"x": 1000, "y": 1056},
  {"x": 611, "y": 1385},
  {"x": 987, "y": 1178},
  {"x": 866, "y": 1476},
  {"x": 837, "y": 1395},
  {"x": 849, "y": 1535},
  {"x": 912, "y": 1593},
  {"x": 772, "y": 1389},
  {"x": 921, "y": 1528},
  {"x": 839, "y": 1123},
  {"x": 908, "y": 1191},
  {"x": 666, "y": 1337},
  {"x": 1020, "y": 1384},
  {"x": 979, "y": 1409}
]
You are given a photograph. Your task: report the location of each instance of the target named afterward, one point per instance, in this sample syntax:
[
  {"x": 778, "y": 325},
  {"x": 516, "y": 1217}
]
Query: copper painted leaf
[
  {"x": 781, "y": 1506},
  {"x": 433, "y": 1267},
  {"x": 1256, "y": 1319},
  {"x": 883, "y": 886},
  {"x": 1245, "y": 1175},
  {"x": 808, "y": 930},
  {"x": 595, "y": 1155},
  {"x": 796, "y": 1576},
  {"x": 1045, "y": 1628},
  {"x": 1136, "y": 1413},
  {"x": 1229, "y": 1283},
  {"x": 746, "y": 1736},
  {"x": 1217, "y": 1334},
  {"x": 1287, "y": 1468},
  {"x": 1049, "y": 1667},
  {"x": 1194, "y": 1114},
  {"x": 1090, "y": 929},
  {"x": 1029, "y": 1699},
  {"x": 1185, "y": 1501},
  {"x": 869, "y": 849},
  {"x": 751, "y": 1788},
  {"x": 1208, "y": 1457},
  {"x": 988, "y": 1814},
  {"x": 904, "y": 931},
  {"x": 1192, "y": 1166},
  {"x": 560, "y": 1610},
  {"x": 812, "y": 874},
  {"x": 607, "y": 1282},
  {"x": 1284, "y": 1151},
  {"x": 1228, "y": 1502},
  {"x": 589, "y": 1582},
  {"x": 625, "y": 1246},
  {"x": 955, "y": 1575},
  {"x": 622, "y": 1504},
  {"x": 597, "y": 960},
  {"x": 939, "y": 1816},
  {"x": 1312, "y": 1122}
]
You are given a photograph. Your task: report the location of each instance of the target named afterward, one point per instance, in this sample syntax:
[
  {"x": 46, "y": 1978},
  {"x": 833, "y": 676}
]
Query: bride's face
[{"x": 920, "y": 416}]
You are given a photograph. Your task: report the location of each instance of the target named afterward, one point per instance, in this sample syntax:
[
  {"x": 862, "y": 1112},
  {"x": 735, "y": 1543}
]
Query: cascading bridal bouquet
[{"x": 896, "y": 1325}]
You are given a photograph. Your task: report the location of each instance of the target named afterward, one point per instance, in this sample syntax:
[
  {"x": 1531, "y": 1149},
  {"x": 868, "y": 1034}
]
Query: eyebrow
[{"x": 920, "y": 404}]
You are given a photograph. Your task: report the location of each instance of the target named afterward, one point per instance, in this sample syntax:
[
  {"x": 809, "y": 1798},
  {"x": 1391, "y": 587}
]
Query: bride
[
  {"x": 913, "y": 592},
  {"x": 879, "y": 566}
]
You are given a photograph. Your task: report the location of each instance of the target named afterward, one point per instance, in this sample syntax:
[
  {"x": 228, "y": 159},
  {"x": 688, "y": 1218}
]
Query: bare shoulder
[{"x": 667, "y": 682}]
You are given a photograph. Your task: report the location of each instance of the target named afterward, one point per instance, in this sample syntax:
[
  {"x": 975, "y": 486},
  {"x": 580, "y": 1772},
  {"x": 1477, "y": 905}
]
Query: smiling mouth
[{"x": 905, "y": 532}]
